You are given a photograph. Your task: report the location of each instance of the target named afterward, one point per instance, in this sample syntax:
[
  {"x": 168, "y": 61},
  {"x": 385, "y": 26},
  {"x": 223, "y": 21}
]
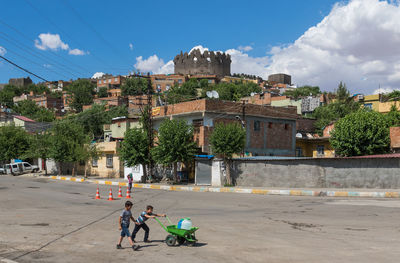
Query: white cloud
[
  {"x": 357, "y": 41},
  {"x": 50, "y": 41},
  {"x": 130, "y": 46},
  {"x": 53, "y": 42},
  {"x": 98, "y": 75},
  {"x": 200, "y": 47},
  {"x": 245, "y": 48},
  {"x": 383, "y": 90},
  {"x": 3, "y": 51},
  {"x": 76, "y": 52},
  {"x": 154, "y": 64}
]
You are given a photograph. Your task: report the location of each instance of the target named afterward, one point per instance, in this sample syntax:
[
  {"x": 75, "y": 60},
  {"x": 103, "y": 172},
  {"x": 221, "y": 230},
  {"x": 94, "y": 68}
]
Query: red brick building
[
  {"x": 270, "y": 130},
  {"x": 49, "y": 102},
  {"x": 110, "y": 82}
]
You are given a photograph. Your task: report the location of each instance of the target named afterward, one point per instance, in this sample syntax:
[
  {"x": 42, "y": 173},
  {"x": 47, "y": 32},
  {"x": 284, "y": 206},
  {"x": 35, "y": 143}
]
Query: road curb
[{"x": 258, "y": 191}]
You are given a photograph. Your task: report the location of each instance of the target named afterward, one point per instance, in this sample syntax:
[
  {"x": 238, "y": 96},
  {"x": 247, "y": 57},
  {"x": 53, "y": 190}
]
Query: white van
[{"x": 20, "y": 168}]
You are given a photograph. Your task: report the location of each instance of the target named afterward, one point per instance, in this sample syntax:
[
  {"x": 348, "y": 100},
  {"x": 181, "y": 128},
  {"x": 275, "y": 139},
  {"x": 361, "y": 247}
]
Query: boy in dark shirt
[
  {"x": 123, "y": 222},
  {"x": 141, "y": 223}
]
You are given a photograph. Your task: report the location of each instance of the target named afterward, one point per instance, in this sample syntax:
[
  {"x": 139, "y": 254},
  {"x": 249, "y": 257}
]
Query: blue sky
[{"x": 262, "y": 37}]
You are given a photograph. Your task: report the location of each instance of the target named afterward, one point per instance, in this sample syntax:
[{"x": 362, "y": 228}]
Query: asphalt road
[{"x": 55, "y": 221}]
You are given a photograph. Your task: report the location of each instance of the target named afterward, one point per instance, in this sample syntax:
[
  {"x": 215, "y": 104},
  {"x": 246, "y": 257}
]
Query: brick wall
[{"x": 279, "y": 135}]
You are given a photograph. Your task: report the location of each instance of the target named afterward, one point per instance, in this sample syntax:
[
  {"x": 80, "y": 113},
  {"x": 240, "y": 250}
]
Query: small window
[
  {"x": 179, "y": 81},
  {"x": 270, "y": 125},
  {"x": 109, "y": 160},
  {"x": 109, "y": 80},
  {"x": 210, "y": 81},
  {"x": 368, "y": 106},
  {"x": 286, "y": 126},
  {"x": 95, "y": 162},
  {"x": 256, "y": 125},
  {"x": 116, "y": 79},
  {"x": 99, "y": 81},
  {"x": 320, "y": 150},
  {"x": 167, "y": 87}
]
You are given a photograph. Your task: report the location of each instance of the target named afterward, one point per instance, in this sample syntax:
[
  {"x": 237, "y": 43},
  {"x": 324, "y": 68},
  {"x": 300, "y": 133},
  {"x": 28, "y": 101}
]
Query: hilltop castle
[{"x": 207, "y": 63}]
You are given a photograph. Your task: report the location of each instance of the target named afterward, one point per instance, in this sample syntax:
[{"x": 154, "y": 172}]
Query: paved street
[{"x": 45, "y": 220}]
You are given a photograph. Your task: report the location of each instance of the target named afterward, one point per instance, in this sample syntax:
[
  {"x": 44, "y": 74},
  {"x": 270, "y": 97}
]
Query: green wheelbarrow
[{"x": 178, "y": 235}]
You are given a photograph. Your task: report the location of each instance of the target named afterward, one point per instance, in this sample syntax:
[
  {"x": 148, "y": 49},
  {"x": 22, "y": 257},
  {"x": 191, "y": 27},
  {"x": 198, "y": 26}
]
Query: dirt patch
[
  {"x": 37, "y": 224},
  {"x": 356, "y": 229}
]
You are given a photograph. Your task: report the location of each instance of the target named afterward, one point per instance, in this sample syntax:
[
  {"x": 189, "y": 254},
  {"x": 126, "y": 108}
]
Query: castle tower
[{"x": 207, "y": 63}]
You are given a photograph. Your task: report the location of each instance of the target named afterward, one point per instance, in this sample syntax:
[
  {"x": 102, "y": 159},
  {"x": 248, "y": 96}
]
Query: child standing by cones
[
  {"x": 130, "y": 180},
  {"x": 124, "y": 220}
]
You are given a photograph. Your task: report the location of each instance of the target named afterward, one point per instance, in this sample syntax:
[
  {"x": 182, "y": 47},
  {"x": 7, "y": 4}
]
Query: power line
[
  {"x": 64, "y": 32},
  {"x": 27, "y": 71},
  {"x": 27, "y": 38},
  {"x": 116, "y": 51},
  {"x": 25, "y": 49}
]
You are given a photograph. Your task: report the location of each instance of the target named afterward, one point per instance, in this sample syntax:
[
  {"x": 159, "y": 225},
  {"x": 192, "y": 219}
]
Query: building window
[
  {"x": 286, "y": 126},
  {"x": 320, "y": 150},
  {"x": 368, "y": 106},
  {"x": 179, "y": 81},
  {"x": 256, "y": 125},
  {"x": 99, "y": 81},
  {"x": 109, "y": 80},
  {"x": 109, "y": 160},
  {"x": 95, "y": 162},
  {"x": 167, "y": 87},
  {"x": 116, "y": 79},
  {"x": 158, "y": 87},
  {"x": 210, "y": 81},
  {"x": 270, "y": 125},
  {"x": 299, "y": 152}
]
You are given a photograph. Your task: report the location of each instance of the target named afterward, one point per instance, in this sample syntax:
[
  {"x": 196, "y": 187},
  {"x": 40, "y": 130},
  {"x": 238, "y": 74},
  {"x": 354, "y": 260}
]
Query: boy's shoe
[
  {"x": 119, "y": 246},
  {"x": 135, "y": 247}
]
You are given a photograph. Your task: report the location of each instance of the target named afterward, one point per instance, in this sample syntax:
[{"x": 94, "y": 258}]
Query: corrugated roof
[{"x": 23, "y": 118}]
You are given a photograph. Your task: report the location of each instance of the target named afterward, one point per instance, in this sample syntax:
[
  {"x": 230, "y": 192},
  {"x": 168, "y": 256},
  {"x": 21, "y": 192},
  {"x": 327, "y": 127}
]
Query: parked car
[
  {"x": 2, "y": 170},
  {"x": 20, "y": 168}
]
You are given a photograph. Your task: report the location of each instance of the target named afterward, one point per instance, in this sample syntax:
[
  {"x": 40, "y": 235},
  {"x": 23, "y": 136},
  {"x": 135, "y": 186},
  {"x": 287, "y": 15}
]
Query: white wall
[{"x": 137, "y": 173}]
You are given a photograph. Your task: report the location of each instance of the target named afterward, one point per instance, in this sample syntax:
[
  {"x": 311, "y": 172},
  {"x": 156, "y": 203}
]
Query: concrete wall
[{"x": 381, "y": 173}]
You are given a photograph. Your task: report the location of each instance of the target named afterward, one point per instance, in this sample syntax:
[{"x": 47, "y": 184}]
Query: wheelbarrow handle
[{"x": 169, "y": 221}]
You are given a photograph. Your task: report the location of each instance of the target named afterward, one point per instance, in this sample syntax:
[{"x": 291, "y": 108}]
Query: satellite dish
[
  {"x": 252, "y": 94},
  {"x": 215, "y": 94},
  {"x": 298, "y": 135},
  {"x": 209, "y": 94}
]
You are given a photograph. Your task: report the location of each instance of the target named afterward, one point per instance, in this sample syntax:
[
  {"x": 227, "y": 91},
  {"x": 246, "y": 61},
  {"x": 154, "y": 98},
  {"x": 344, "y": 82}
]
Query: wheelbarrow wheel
[
  {"x": 170, "y": 240},
  {"x": 181, "y": 240}
]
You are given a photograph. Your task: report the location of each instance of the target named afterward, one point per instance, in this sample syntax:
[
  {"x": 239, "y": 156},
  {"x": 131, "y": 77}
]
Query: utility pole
[{"x": 150, "y": 125}]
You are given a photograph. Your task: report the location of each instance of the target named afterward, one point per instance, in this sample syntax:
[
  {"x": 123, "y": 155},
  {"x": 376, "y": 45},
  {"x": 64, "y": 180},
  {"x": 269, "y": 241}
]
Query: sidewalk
[{"x": 376, "y": 193}]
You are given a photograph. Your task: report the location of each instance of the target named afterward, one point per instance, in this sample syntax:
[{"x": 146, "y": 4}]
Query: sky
[{"x": 317, "y": 42}]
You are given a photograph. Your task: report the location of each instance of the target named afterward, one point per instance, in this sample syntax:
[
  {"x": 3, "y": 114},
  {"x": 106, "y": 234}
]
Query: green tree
[
  {"x": 227, "y": 140},
  {"x": 134, "y": 149},
  {"x": 68, "y": 143},
  {"x": 14, "y": 142},
  {"x": 186, "y": 91},
  {"x": 393, "y": 116},
  {"x": 361, "y": 133},
  {"x": 343, "y": 106},
  {"x": 39, "y": 147},
  {"x": 31, "y": 110},
  {"x": 81, "y": 91},
  {"x": 7, "y": 94},
  {"x": 175, "y": 144},
  {"x": 303, "y": 91},
  {"x": 134, "y": 86},
  {"x": 102, "y": 92}
]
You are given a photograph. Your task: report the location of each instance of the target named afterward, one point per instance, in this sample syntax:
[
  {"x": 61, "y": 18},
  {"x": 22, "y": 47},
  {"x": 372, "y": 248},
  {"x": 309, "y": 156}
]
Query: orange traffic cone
[
  {"x": 128, "y": 193},
  {"x": 97, "y": 194},
  {"x": 119, "y": 192},
  {"x": 110, "y": 197}
]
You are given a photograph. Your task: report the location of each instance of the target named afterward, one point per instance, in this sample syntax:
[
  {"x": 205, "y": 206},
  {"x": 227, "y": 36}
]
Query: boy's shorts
[{"x": 125, "y": 232}]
